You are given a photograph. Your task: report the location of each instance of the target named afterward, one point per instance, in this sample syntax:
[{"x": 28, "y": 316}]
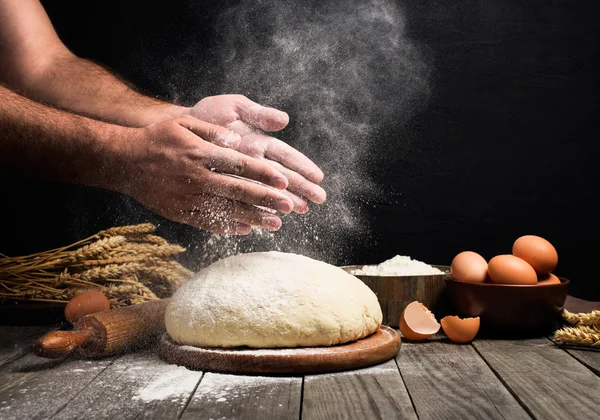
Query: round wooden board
[{"x": 376, "y": 348}]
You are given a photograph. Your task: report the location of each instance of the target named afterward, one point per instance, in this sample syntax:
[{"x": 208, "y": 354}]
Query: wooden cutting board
[{"x": 376, "y": 348}]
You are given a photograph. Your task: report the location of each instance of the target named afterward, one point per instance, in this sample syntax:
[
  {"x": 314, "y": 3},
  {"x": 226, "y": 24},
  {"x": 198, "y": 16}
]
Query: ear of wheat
[
  {"x": 129, "y": 264},
  {"x": 583, "y": 329}
]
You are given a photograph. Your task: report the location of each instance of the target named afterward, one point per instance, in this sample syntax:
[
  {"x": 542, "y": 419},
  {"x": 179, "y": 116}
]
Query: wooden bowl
[
  {"x": 510, "y": 310},
  {"x": 395, "y": 292}
]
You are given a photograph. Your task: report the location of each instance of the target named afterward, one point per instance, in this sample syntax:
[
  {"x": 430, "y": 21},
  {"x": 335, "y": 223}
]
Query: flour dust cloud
[{"x": 345, "y": 71}]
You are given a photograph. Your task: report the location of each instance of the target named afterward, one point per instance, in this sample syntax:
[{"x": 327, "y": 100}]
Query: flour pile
[{"x": 400, "y": 265}]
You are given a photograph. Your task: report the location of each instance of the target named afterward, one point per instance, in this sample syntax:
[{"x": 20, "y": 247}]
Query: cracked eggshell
[
  {"x": 460, "y": 330},
  {"x": 417, "y": 322}
]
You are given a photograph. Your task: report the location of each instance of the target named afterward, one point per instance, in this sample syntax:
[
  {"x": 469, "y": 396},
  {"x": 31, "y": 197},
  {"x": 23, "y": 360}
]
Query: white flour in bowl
[{"x": 400, "y": 265}]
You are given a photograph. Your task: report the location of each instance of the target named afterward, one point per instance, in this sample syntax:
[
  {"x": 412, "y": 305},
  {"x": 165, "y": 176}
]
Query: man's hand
[
  {"x": 178, "y": 169},
  {"x": 251, "y": 121}
]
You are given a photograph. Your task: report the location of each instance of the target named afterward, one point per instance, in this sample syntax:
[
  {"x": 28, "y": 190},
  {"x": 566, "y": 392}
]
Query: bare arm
[
  {"x": 175, "y": 167},
  {"x": 45, "y": 143},
  {"x": 34, "y": 61}
]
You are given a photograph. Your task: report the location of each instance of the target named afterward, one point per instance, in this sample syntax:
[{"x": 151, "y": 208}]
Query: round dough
[{"x": 272, "y": 299}]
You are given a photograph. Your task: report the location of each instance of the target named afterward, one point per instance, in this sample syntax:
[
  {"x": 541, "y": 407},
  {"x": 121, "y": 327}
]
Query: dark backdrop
[{"x": 506, "y": 146}]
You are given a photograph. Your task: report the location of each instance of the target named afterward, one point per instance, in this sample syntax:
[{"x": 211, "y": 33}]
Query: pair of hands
[{"x": 219, "y": 170}]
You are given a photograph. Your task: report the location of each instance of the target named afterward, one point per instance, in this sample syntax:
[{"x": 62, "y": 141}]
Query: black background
[{"x": 508, "y": 143}]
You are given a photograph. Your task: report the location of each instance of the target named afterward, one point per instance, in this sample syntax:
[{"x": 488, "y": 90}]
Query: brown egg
[
  {"x": 460, "y": 330},
  {"x": 469, "y": 266},
  {"x": 417, "y": 322},
  {"x": 508, "y": 269},
  {"x": 548, "y": 279},
  {"x": 537, "y": 251},
  {"x": 85, "y": 303}
]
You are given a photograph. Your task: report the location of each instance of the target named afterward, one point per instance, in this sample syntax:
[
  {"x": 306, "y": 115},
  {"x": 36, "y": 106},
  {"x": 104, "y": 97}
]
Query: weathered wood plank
[
  {"x": 137, "y": 385},
  {"x": 590, "y": 358},
  {"x": 451, "y": 381},
  {"x": 222, "y": 396},
  {"x": 373, "y": 392},
  {"x": 547, "y": 380},
  {"x": 32, "y": 387},
  {"x": 16, "y": 341}
]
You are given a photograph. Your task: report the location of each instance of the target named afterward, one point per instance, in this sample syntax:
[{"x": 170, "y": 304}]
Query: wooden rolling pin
[{"x": 109, "y": 332}]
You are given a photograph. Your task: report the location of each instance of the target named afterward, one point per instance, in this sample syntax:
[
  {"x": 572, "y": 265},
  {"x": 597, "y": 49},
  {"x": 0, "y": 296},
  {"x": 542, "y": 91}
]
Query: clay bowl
[
  {"x": 510, "y": 310},
  {"x": 395, "y": 292}
]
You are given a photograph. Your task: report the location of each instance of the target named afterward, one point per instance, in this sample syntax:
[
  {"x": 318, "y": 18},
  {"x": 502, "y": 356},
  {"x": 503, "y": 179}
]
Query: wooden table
[{"x": 510, "y": 379}]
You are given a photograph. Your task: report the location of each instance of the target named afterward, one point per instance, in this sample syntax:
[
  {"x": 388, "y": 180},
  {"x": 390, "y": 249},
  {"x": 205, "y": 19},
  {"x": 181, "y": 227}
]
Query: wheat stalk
[
  {"x": 90, "y": 251},
  {"x": 105, "y": 273},
  {"x": 97, "y": 249},
  {"x": 149, "y": 239},
  {"x": 591, "y": 319},
  {"x": 581, "y": 336},
  {"x": 128, "y": 294},
  {"x": 145, "y": 249},
  {"x": 128, "y": 263},
  {"x": 143, "y": 228}
]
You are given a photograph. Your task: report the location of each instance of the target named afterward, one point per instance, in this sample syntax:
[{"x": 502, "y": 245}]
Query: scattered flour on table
[
  {"x": 219, "y": 387},
  {"x": 174, "y": 383},
  {"x": 380, "y": 369},
  {"x": 400, "y": 265}
]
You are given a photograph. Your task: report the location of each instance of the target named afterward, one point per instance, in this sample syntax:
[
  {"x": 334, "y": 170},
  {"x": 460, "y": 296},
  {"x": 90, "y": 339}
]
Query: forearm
[
  {"x": 83, "y": 87},
  {"x": 33, "y": 60},
  {"x": 48, "y": 144}
]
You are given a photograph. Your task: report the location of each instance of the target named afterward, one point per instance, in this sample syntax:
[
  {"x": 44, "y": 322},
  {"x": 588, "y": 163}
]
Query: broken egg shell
[
  {"x": 460, "y": 330},
  {"x": 417, "y": 322},
  {"x": 548, "y": 279},
  {"x": 86, "y": 303}
]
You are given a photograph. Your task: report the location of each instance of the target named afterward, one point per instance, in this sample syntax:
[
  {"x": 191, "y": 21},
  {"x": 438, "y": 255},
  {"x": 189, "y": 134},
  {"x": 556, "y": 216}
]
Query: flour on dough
[{"x": 272, "y": 299}]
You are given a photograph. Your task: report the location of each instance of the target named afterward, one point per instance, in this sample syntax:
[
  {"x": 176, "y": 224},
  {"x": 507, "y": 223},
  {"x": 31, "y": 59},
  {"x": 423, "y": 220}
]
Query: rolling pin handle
[{"x": 57, "y": 344}]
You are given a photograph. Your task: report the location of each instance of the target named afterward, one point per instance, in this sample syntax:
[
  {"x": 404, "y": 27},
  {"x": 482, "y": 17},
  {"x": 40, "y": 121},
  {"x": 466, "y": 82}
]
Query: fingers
[
  {"x": 235, "y": 163},
  {"x": 220, "y": 215},
  {"x": 289, "y": 157},
  {"x": 300, "y": 185},
  {"x": 216, "y": 134},
  {"x": 300, "y": 205},
  {"x": 265, "y": 118},
  {"x": 258, "y": 144},
  {"x": 248, "y": 192}
]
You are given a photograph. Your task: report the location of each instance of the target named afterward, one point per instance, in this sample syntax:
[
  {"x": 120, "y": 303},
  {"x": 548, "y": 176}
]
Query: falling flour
[
  {"x": 400, "y": 265},
  {"x": 348, "y": 73}
]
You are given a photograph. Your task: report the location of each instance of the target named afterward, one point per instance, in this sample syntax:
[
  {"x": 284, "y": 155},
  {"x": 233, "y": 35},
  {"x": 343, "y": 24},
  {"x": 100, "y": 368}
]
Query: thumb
[
  {"x": 212, "y": 133},
  {"x": 265, "y": 118}
]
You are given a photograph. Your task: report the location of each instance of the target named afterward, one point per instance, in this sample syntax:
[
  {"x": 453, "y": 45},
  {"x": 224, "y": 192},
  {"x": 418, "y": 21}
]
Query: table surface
[{"x": 511, "y": 379}]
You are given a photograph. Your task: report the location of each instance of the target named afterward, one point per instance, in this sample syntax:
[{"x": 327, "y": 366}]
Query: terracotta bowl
[
  {"x": 395, "y": 292},
  {"x": 508, "y": 309}
]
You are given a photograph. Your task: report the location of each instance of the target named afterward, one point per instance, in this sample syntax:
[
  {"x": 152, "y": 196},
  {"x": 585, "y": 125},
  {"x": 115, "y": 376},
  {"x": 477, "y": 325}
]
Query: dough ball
[{"x": 272, "y": 299}]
